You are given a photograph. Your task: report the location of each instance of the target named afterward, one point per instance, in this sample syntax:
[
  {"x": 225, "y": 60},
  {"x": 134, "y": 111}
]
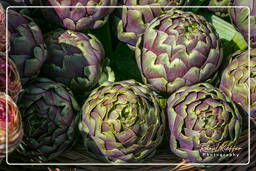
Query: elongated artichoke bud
[
  {"x": 50, "y": 115},
  {"x": 28, "y": 50},
  {"x": 122, "y": 122},
  {"x": 13, "y": 79},
  {"x": 240, "y": 17},
  {"x": 74, "y": 59},
  {"x": 134, "y": 21},
  {"x": 79, "y": 18},
  {"x": 15, "y": 131},
  {"x": 235, "y": 80},
  {"x": 178, "y": 49},
  {"x": 201, "y": 118}
]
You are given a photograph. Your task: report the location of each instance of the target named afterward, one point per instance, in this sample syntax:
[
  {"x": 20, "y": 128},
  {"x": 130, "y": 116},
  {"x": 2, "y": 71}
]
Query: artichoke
[
  {"x": 223, "y": 12},
  {"x": 15, "y": 131},
  {"x": 79, "y": 18},
  {"x": 134, "y": 21},
  {"x": 201, "y": 117},
  {"x": 74, "y": 59},
  {"x": 122, "y": 122},
  {"x": 28, "y": 50},
  {"x": 14, "y": 84},
  {"x": 235, "y": 80},
  {"x": 50, "y": 115},
  {"x": 240, "y": 16},
  {"x": 178, "y": 49}
]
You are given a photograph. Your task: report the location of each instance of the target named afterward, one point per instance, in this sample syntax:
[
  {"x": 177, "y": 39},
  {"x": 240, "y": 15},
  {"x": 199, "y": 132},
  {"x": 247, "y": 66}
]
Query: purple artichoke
[
  {"x": 79, "y": 18},
  {"x": 50, "y": 114},
  {"x": 134, "y": 21},
  {"x": 14, "y": 84},
  {"x": 74, "y": 59},
  {"x": 200, "y": 118},
  {"x": 28, "y": 50},
  {"x": 178, "y": 49},
  {"x": 15, "y": 131},
  {"x": 235, "y": 80},
  {"x": 122, "y": 122},
  {"x": 240, "y": 17}
]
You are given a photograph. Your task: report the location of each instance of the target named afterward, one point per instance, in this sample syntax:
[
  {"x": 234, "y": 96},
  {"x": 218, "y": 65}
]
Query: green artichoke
[
  {"x": 133, "y": 21},
  {"x": 240, "y": 17},
  {"x": 14, "y": 84},
  {"x": 201, "y": 117},
  {"x": 223, "y": 12},
  {"x": 15, "y": 131},
  {"x": 78, "y": 18},
  {"x": 74, "y": 59},
  {"x": 28, "y": 50},
  {"x": 122, "y": 122},
  {"x": 178, "y": 49},
  {"x": 50, "y": 117},
  {"x": 235, "y": 80}
]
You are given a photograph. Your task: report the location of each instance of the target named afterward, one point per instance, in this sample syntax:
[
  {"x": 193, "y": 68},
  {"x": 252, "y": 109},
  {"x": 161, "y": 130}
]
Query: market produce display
[
  {"x": 136, "y": 83},
  {"x": 49, "y": 113},
  {"x": 13, "y": 119},
  {"x": 116, "y": 119}
]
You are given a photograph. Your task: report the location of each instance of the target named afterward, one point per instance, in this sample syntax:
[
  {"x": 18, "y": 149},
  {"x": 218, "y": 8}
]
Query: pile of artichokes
[{"x": 120, "y": 82}]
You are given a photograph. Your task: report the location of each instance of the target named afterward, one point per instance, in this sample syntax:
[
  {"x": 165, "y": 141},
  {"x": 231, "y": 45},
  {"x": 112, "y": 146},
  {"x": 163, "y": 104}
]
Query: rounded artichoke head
[
  {"x": 74, "y": 59},
  {"x": 15, "y": 131},
  {"x": 122, "y": 122},
  {"x": 79, "y": 18},
  {"x": 200, "y": 118},
  {"x": 178, "y": 49},
  {"x": 50, "y": 115},
  {"x": 241, "y": 16},
  {"x": 28, "y": 50},
  {"x": 134, "y": 21},
  {"x": 14, "y": 84}
]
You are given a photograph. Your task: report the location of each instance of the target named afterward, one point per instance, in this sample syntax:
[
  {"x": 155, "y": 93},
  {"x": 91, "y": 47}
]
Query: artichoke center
[{"x": 128, "y": 116}]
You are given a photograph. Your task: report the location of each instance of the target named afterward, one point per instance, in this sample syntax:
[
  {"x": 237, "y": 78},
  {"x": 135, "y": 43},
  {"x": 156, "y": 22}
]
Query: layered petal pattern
[
  {"x": 13, "y": 118},
  {"x": 28, "y": 50},
  {"x": 122, "y": 122},
  {"x": 79, "y": 18},
  {"x": 74, "y": 59},
  {"x": 178, "y": 49},
  {"x": 50, "y": 114},
  {"x": 13, "y": 79},
  {"x": 241, "y": 17},
  {"x": 201, "y": 119}
]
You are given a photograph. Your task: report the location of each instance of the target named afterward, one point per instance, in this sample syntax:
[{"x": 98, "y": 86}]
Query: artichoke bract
[
  {"x": 28, "y": 50},
  {"x": 79, "y": 18},
  {"x": 223, "y": 12},
  {"x": 201, "y": 118},
  {"x": 240, "y": 17},
  {"x": 13, "y": 79},
  {"x": 15, "y": 131},
  {"x": 50, "y": 117},
  {"x": 122, "y": 122},
  {"x": 74, "y": 59},
  {"x": 235, "y": 80},
  {"x": 134, "y": 21},
  {"x": 178, "y": 49}
]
